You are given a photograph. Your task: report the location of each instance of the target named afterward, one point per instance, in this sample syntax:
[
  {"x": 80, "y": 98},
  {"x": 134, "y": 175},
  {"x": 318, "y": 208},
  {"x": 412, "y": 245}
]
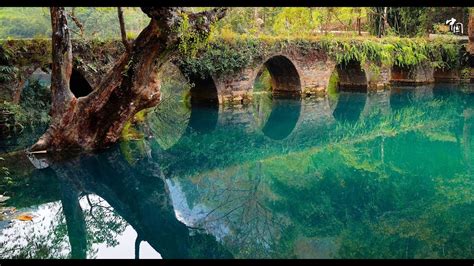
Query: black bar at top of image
[{"x": 235, "y": 3}]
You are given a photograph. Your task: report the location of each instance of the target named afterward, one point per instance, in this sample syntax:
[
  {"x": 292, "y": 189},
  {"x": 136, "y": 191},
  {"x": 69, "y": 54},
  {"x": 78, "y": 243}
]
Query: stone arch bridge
[{"x": 292, "y": 71}]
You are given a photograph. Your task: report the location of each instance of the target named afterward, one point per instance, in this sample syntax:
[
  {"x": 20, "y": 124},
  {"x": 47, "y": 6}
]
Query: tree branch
[
  {"x": 62, "y": 62},
  {"x": 76, "y": 21},
  {"x": 123, "y": 32}
]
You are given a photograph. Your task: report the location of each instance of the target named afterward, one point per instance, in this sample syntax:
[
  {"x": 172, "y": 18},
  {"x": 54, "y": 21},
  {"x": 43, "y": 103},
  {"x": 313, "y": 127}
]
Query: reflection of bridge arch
[
  {"x": 349, "y": 106},
  {"x": 170, "y": 131},
  {"x": 282, "y": 121},
  {"x": 177, "y": 115}
]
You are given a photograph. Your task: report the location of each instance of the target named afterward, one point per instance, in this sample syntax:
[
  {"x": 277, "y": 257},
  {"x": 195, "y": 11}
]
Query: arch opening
[
  {"x": 79, "y": 86},
  {"x": 184, "y": 109},
  {"x": 203, "y": 90},
  {"x": 278, "y": 75},
  {"x": 204, "y": 104},
  {"x": 351, "y": 77}
]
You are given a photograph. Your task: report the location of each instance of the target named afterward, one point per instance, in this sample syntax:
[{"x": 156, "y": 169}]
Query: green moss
[
  {"x": 332, "y": 86},
  {"x": 263, "y": 82}
]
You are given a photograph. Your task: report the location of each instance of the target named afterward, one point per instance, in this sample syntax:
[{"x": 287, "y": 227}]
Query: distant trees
[
  {"x": 24, "y": 22},
  {"x": 412, "y": 21},
  {"x": 31, "y": 22}
]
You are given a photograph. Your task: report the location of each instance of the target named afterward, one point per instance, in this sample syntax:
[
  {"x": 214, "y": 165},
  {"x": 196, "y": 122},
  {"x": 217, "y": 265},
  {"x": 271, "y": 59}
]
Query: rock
[{"x": 3, "y": 198}]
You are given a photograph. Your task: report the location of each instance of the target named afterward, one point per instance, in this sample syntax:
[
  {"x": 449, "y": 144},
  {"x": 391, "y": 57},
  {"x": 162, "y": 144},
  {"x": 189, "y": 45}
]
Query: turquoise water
[{"x": 379, "y": 175}]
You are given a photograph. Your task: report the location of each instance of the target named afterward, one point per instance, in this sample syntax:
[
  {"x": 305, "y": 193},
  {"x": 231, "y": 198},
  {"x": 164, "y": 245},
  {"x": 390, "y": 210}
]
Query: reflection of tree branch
[
  {"x": 138, "y": 240},
  {"x": 90, "y": 204},
  {"x": 227, "y": 201},
  {"x": 227, "y": 214}
]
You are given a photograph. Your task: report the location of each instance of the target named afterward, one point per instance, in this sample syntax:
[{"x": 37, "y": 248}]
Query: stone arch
[
  {"x": 204, "y": 90},
  {"x": 352, "y": 77},
  {"x": 79, "y": 85},
  {"x": 285, "y": 76}
]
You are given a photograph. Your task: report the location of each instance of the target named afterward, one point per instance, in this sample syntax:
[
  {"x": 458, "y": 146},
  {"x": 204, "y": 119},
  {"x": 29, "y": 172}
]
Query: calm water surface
[{"x": 355, "y": 175}]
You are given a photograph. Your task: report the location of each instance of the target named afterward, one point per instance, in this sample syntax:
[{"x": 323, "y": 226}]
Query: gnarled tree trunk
[{"x": 96, "y": 120}]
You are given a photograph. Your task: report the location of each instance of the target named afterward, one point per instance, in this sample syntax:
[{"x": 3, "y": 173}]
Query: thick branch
[
  {"x": 77, "y": 22},
  {"x": 62, "y": 63},
  {"x": 171, "y": 16}
]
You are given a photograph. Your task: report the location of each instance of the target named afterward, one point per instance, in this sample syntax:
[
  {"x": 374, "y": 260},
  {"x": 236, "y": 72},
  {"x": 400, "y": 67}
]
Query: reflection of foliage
[
  {"x": 37, "y": 242},
  {"x": 369, "y": 184},
  {"x": 102, "y": 223},
  {"x": 46, "y": 237},
  {"x": 25, "y": 186},
  {"x": 262, "y": 98},
  {"x": 370, "y": 189}
]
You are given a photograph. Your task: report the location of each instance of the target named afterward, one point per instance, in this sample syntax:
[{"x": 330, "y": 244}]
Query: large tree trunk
[{"x": 96, "y": 120}]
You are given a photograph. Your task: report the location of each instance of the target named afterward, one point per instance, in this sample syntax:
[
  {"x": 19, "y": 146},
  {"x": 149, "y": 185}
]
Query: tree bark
[{"x": 96, "y": 120}]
